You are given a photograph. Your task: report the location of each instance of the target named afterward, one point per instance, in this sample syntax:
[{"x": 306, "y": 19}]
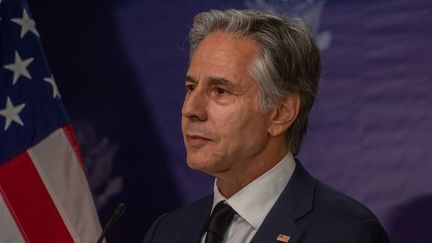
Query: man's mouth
[{"x": 197, "y": 140}]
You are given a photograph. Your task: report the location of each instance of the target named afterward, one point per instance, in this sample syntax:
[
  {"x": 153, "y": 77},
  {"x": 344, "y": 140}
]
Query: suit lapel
[
  {"x": 202, "y": 217},
  {"x": 295, "y": 201}
]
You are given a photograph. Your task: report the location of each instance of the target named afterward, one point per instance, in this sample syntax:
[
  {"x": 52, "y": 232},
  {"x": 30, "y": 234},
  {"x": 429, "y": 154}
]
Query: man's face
[{"x": 223, "y": 129}]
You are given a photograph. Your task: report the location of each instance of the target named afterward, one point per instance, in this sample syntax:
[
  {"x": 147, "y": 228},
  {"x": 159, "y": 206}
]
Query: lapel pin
[{"x": 283, "y": 238}]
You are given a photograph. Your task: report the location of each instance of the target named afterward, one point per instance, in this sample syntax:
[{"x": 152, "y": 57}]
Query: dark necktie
[{"x": 220, "y": 219}]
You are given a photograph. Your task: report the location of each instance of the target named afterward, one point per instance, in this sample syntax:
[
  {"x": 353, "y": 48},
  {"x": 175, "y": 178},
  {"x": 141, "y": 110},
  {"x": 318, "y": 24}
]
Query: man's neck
[{"x": 230, "y": 182}]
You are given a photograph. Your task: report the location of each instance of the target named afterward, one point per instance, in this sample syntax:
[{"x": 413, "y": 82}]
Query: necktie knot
[{"x": 220, "y": 220}]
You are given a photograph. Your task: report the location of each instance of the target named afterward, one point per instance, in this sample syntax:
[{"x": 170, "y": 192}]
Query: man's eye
[
  {"x": 220, "y": 91},
  {"x": 189, "y": 87}
]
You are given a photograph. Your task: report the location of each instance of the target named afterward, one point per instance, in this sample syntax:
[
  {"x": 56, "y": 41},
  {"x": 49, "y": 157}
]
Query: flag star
[
  {"x": 19, "y": 68},
  {"x": 27, "y": 24},
  {"x": 11, "y": 113},
  {"x": 51, "y": 81}
]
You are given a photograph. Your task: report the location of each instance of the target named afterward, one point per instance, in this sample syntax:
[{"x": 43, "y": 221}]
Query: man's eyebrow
[
  {"x": 190, "y": 79},
  {"x": 213, "y": 80},
  {"x": 220, "y": 81}
]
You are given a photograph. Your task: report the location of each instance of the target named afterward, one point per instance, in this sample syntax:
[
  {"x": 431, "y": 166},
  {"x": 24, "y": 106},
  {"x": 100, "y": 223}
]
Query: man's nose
[{"x": 195, "y": 105}]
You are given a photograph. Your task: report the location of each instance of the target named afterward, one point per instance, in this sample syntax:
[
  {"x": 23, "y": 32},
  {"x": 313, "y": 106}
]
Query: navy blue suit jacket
[{"x": 307, "y": 210}]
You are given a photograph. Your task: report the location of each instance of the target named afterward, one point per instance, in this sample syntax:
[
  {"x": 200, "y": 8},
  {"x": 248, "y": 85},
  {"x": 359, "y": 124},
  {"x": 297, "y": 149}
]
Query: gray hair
[{"x": 288, "y": 62}]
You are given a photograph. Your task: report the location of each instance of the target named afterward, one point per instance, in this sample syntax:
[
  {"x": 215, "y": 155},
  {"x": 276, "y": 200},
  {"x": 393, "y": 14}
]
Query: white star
[
  {"x": 51, "y": 81},
  {"x": 19, "y": 68},
  {"x": 11, "y": 113},
  {"x": 27, "y": 24}
]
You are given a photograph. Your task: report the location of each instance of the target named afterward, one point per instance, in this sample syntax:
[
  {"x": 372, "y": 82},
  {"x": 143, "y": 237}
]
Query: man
[{"x": 251, "y": 83}]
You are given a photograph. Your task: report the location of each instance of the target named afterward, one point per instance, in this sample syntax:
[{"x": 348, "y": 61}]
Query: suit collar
[
  {"x": 254, "y": 201},
  {"x": 202, "y": 218},
  {"x": 295, "y": 202}
]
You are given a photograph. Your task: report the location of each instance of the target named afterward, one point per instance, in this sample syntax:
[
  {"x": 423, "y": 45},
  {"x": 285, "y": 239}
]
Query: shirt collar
[{"x": 254, "y": 201}]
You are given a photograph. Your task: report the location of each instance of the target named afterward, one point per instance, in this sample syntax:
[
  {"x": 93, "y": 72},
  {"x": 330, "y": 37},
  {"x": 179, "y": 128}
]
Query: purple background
[{"x": 120, "y": 65}]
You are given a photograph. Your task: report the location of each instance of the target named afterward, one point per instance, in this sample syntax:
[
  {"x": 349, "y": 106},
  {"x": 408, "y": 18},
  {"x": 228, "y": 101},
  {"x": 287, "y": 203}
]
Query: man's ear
[{"x": 284, "y": 115}]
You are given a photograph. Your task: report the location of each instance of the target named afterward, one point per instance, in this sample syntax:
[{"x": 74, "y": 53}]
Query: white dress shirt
[{"x": 253, "y": 202}]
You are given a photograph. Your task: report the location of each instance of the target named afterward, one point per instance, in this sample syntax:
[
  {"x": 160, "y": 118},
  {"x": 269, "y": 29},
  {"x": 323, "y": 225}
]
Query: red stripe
[
  {"x": 68, "y": 129},
  {"x": 30, "y": 204}
]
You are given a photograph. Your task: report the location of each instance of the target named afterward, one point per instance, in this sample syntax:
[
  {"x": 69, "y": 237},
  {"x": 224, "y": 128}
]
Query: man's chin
[
  {"x": 203, "y": 166},
  {"x": 196, "y": 165}
]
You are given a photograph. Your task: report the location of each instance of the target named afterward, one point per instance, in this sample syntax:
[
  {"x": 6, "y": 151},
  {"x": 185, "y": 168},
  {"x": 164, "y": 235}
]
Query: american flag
[
  {"x": 44, "y": 195},
  {"x": 283, "y": 238}
]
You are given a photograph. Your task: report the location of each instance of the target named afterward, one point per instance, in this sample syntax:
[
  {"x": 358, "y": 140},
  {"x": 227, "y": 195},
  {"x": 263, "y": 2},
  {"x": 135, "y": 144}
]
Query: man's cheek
[{"x": 231, "y": 121}]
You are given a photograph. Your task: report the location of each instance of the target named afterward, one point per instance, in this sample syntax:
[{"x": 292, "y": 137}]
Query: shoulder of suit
[
  {"x": 192, "y": 209},
  {"x": 181, "y": 225},
  {"x": 332, "y": 203}
]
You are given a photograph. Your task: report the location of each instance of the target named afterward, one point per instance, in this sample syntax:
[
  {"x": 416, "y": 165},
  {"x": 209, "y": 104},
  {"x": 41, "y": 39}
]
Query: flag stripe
[
  {"x": 65, "y": 180},
  {"x": 74, "y": 143},
  {"x": 30, "y": 203},
  {"x": 9, "y": 230}
]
